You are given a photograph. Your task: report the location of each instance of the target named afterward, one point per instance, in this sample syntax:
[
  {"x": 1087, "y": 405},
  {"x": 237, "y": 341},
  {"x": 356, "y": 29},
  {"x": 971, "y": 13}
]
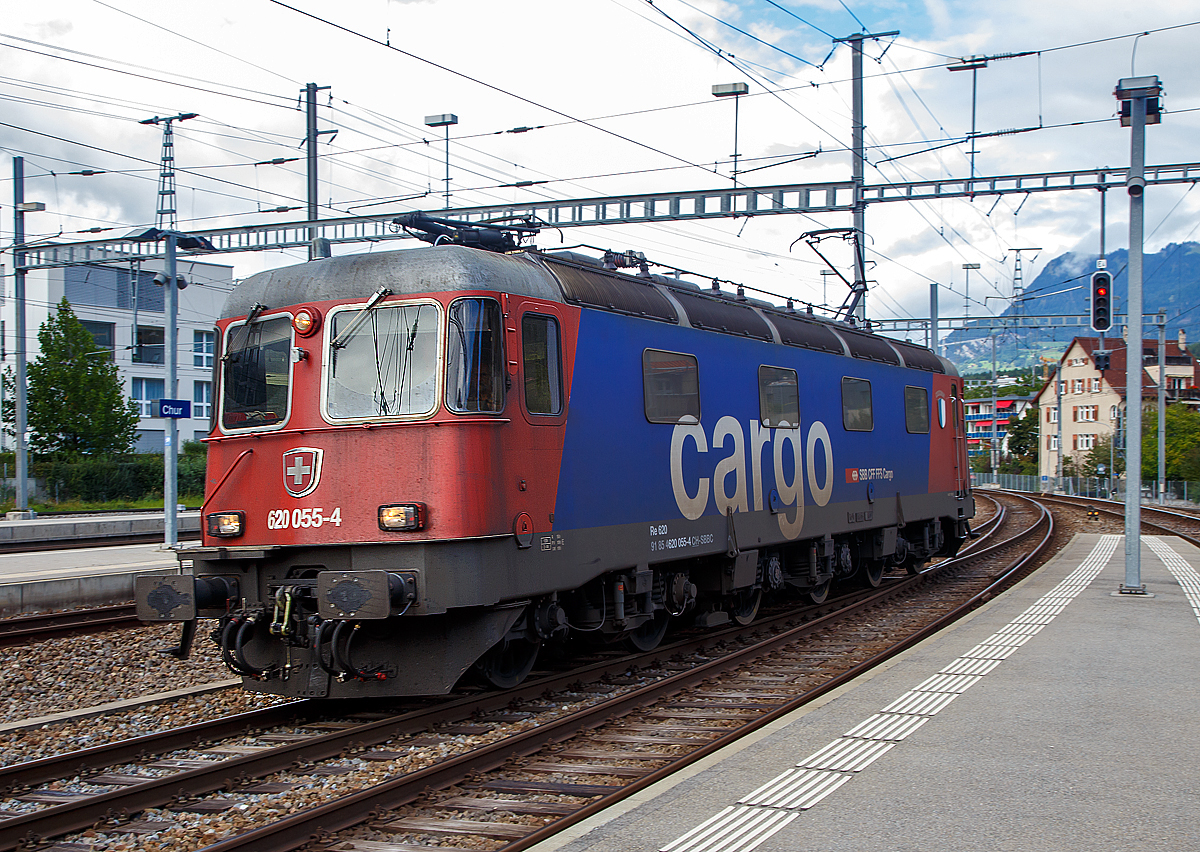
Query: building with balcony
[
  {"x": 984, "y": 427},
  {"x": 123, "y": 308},
  {"x": 1089, "y": 402}
]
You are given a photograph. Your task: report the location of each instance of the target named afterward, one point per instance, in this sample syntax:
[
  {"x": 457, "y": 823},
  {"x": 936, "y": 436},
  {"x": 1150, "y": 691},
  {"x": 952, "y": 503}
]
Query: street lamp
[
  {"x": 825, "y": 273},
  {"x": 967, "y": 267},
  {"x": 735, "y": 91},
  {"x": 446, "y": 120},
  {"x": 972, "y": 64}
]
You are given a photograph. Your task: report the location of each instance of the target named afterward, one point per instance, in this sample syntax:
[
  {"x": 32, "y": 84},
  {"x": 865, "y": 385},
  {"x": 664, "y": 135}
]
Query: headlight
[
  {"x": 226, "y": 524},
  {"x": 402, "y": 516},
  {"x": 306, "y": 321}
]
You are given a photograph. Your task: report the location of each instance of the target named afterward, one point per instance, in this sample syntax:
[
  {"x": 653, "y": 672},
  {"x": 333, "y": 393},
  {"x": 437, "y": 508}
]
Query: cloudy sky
[{"x": 618, "y": 96}]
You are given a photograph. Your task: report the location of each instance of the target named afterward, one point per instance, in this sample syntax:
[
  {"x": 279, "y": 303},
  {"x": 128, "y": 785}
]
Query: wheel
[
  {"x": 745, "y": 606},
  {"x": 872, "y": 573},
  {"x": 818, "y": 594},
  {"x": 648, "y": 635},
  {"x": 507, "y": 662},
  {"x": 913, "y": 566}
]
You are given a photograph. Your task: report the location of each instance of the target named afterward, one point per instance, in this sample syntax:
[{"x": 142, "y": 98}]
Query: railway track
[
  {"x": 123, "y": 540},
  {"x": 1153, "y": 519},
  {"x": 20, "y": 629},
  {"x": 496, "y": 766}
]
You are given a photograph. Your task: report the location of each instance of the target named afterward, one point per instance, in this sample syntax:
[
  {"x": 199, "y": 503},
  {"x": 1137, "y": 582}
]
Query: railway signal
[{"x": 1101, "y": 301}]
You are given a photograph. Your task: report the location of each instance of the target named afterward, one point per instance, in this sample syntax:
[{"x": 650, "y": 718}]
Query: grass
[{"x": 145, "y": 504}]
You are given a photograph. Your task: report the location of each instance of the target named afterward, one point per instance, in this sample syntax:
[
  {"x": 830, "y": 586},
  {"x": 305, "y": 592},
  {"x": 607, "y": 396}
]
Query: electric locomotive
[{"x": 433, "y": 462}]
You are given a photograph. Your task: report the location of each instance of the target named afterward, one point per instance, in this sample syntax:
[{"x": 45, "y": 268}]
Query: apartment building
[
  {"x": 1089, "y": 401},
  {"x": 123, "y": 308}
]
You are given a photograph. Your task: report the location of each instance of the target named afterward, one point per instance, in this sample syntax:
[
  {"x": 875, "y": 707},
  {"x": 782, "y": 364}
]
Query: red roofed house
[{"x": 1091, "y": 398}]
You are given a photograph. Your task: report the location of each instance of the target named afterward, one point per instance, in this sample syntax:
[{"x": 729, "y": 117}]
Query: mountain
[{"x": 1171, "y": 283}]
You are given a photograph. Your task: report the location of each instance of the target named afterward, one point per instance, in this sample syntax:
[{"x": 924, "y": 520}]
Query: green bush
[{"x": 119, "y": 478}]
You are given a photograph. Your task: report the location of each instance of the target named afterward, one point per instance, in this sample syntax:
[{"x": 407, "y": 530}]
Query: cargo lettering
[{"x": 737, "y": 478}]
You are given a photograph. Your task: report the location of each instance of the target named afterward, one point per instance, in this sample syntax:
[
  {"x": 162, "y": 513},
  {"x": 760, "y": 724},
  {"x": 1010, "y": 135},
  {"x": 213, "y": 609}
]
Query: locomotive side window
[
  {"x": 387, "y": 367},
  {"x": 475, "y": 357},
  {"x": 916, "y": 410},
  {"x": 778, "y": 397},
  {"x": 543, "y": 364},
  {"x": 857, "y": 413},
  {"x": 671, "y": 385},
  {"x": 256, "y": 374}
]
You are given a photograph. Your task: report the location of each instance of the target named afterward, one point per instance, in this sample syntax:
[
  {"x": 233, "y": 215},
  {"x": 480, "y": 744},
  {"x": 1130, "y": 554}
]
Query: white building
[{"x": 122, "y": 307}]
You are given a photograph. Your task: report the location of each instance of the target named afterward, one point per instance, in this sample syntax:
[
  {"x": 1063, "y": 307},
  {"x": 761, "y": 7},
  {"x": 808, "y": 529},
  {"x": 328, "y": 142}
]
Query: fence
[{"x": 1177, "y": 491}]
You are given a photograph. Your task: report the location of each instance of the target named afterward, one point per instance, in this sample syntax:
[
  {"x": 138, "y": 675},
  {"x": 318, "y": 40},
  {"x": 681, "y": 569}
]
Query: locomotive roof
[
  {"x": 563, "y": 278},
  {"x": 418, "y": 270}
]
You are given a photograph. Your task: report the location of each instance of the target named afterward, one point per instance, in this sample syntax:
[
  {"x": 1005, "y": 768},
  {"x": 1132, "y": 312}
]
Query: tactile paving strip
[{"x": 761, "y": 814}]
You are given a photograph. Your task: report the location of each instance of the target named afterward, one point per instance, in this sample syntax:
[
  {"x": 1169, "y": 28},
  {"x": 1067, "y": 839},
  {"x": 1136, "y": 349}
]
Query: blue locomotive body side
[{"x": 617, "y": 466}]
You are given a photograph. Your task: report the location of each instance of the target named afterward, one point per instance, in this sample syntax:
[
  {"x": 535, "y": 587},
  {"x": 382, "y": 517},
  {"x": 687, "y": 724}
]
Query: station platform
[
  {"x": 1061, "y": 715},
  {"x": 34, "y": 531},
  {"x": 43, "y": 580}
]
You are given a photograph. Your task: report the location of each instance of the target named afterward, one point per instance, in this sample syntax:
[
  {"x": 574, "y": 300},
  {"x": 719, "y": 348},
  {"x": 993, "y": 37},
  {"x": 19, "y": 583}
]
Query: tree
[
  {"x": 1023, "y": 437},
  {"x": 1183, "y": 438},
  {"x": 76, "y": 405},
  {"x": 1102, "y": 455}
]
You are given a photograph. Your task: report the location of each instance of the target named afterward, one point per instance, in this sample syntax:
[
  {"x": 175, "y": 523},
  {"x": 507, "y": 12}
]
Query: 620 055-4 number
[{"x": 282, "y": 519}]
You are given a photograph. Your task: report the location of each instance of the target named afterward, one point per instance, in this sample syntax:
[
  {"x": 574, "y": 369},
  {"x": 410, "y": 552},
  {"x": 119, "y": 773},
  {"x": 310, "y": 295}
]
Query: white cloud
[{"x": 631, "y": 72}]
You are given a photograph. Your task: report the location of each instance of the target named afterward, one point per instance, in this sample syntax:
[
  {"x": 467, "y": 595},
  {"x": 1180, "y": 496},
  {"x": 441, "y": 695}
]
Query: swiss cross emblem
[{"x": 302, "y": 470}]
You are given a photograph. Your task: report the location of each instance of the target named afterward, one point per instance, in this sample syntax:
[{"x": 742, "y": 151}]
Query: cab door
[{"x": 542, "y": 392}]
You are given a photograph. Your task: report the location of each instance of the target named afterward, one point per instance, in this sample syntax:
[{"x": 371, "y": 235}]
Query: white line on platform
[{"x": 817, "y": 776}]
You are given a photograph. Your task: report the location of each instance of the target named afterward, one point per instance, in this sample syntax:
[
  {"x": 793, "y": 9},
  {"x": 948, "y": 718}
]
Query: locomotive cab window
[
  {"x": 671, "y": 385},
  {"x": 857, "y": 413},
  {"x": 916, "y": 410},
  {"x": 543, "y": 364},
  {"x": 384, "y": 363},
  {"x": 778, "y": 397},
  {"x": 475, "y": 357},
  {"x": 256, "y": 373}
]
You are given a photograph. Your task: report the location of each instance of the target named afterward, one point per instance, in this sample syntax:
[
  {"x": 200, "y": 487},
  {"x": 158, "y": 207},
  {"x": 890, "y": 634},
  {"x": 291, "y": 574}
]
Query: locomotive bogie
[{"x": 431, "y": 462}]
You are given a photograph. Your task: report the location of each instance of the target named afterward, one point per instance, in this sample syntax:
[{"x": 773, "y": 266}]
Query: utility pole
[
  {"x": 972, "y": 64},
  {"x": 22, "y": 448},
  {"x": 1019, "y": 275},
  {"x": 1138, "y": 98},
  {"x": 995, "y": 414},
  {"x": 1058, "y": 389},
  {"x": 858, "y": 161},
  {"x": 1162, "y": 407},
  {"x": 310, "y": 141},
  {"x": 166, "y": 222}
]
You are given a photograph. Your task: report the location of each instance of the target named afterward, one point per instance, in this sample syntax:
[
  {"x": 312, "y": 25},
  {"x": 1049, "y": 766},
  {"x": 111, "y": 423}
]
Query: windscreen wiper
[
  {"x": 361, "y": 317},
  {"x": 255, "y": 313}
]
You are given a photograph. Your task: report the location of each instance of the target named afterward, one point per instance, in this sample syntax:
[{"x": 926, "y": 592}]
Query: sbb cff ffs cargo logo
[{"x": 302, "y": 470}]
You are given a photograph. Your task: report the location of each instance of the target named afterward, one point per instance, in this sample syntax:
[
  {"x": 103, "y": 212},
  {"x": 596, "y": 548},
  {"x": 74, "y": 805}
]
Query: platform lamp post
[
  {"x": 1139, "y": 106},
  {"x": 446, "y": 120},
  {"x": 735, "y": 91}
]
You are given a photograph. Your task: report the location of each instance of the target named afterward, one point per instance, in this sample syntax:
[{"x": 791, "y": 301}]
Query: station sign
[{"x": 173, "y": 408}]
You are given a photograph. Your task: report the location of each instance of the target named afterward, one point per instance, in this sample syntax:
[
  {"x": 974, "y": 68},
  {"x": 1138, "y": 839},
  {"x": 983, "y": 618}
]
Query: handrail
[{"x": 232, "y": 467}]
